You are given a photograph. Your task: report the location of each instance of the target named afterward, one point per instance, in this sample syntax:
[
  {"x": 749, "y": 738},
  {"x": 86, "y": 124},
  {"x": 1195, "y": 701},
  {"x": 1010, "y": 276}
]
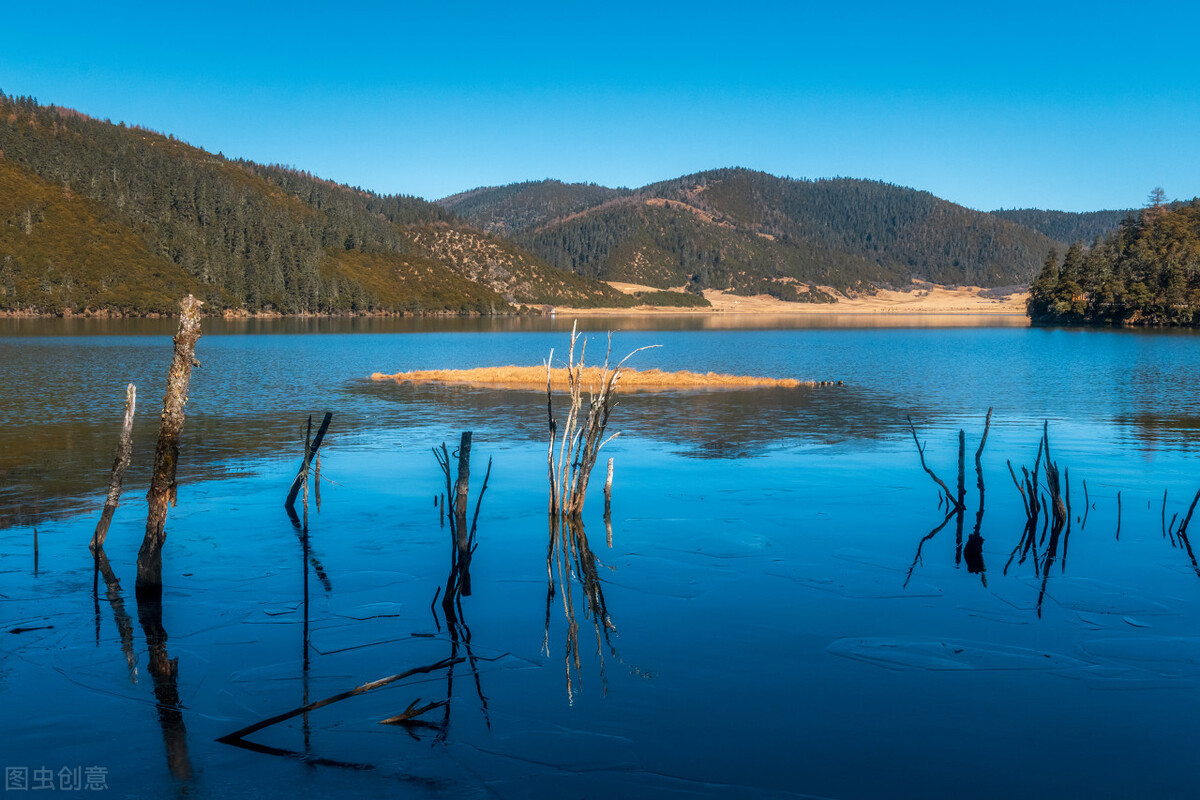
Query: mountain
[
  {"x": 1066, "y": 227},
  {"x": 108, "y": 217},
  {"x": 522, "y": 206},
  {"x": 1147, "y": 272},
  {"x": 749, "y": 232}
]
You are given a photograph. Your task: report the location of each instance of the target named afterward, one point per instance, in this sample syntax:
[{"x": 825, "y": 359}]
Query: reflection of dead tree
[
  {"x": 1060, "y": 512},
  {"x": 1033, "y": 509},
  {"x": 164, "y": 671},
  {"x": 956, "y": 504},
  {"x": 120, "y": 615},
  {"x": 575, "y": 563},
  {"x": 458, "y": 584},
  {"x": 921, "y": 544},
  {"x": 945, "y": 489},
  {"x": 301, "y": 481},
  {"x": 1182, "y": 533},
  {"x": 974, "y": 549},
  {"x": 581, "y": 439},
  {"x": 1047, "y": 506}
]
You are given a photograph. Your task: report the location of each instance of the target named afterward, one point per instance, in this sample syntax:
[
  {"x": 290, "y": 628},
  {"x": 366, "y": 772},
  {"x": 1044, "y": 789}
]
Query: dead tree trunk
[
  {"x": 581, "y": 440},
  {"x": 120, "y": 463},
  {"x": 166, "y": 455},
  {"x": 462, "y": 490},
  {"x": 608, "y": 489},
  {"x": 310, "y": 451}
]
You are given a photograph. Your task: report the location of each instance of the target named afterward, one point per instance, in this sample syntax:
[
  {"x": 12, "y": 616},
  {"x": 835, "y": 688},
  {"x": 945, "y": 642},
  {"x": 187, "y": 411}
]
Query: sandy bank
[{"x": 930, "y": 299}]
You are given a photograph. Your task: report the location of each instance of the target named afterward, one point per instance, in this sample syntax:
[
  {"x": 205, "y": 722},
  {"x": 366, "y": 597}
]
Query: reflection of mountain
[
  {"x": 730, "y": 423},
  {"x": 1152, "y": 428},
  {"x": 61, "y": 468}
]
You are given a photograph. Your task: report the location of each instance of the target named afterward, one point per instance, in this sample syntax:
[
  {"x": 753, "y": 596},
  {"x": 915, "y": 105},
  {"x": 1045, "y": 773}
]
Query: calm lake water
[{"x": 781, "y": 611}]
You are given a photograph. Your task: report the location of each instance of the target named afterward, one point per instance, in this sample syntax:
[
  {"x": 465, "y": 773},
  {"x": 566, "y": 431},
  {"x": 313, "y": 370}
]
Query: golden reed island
[{"x": 512, "y": 377}]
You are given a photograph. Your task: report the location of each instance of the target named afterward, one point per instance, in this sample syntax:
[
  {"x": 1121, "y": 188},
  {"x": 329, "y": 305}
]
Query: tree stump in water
[
  {"x": 166, "y": 454},
  {"x": 120, "y": 464}
]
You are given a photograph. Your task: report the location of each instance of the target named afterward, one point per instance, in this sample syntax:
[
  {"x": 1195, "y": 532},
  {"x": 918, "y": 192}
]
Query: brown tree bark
[
  {"x": 166, "y": 454},
  {"x": 120, "y": 464}
]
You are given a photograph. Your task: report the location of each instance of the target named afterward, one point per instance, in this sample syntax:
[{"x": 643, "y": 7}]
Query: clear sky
[{"x": 1069, "y": 105}]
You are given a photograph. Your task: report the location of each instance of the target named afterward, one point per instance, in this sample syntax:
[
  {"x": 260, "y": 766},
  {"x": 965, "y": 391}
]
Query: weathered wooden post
[
  {"x": 608, "y": 489},
  {"x": 462, "y": 488},
  {"x": 166, "y": 454},
  {"x": 310, "y": 451},
  {"x": 608, "y": 505},
  {"x": 120, "y": 463}
]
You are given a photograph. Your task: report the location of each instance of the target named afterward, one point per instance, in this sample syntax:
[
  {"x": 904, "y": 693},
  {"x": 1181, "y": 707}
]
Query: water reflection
[
  {"x": 727, "y": 423},
  {"x": 572, "y": 572},
  {"x": 164, "y": 672},
  {"x": 83, "y": 326},
  {"x": 120, "y": 616}
]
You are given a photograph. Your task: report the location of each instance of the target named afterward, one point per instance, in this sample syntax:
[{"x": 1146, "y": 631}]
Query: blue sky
[{"x": 1075, "y": 106}]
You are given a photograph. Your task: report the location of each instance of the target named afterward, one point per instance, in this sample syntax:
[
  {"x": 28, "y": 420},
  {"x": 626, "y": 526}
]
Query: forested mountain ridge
[
  {"x": 1147, "y": 272},
  {"x": 244, "y": 236},
  {"x": 522, "y": 206},
  {"x": 1066, "y": 227},
  {"x": 750, "y": 231}
]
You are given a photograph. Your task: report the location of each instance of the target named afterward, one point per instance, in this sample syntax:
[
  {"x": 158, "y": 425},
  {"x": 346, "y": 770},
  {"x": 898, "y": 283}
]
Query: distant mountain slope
[
  {"x": 249, "y": 236},
  {"x": 663, "y": 243},
  {"x": 521, "y": 206},
  {"x": 1066, "y": 227},
  {"x": 749, "y": 231}
]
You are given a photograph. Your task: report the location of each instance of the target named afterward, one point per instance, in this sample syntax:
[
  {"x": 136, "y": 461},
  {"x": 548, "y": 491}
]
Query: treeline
[
  {"x": 1147, "y": 272},
  {"x": 246, "y": 236},
  {"x": 1065, "y": 226}
]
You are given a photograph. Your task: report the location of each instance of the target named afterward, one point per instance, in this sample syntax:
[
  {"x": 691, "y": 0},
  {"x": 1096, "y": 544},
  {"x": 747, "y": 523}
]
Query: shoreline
[{"x": 926, "y": 299}]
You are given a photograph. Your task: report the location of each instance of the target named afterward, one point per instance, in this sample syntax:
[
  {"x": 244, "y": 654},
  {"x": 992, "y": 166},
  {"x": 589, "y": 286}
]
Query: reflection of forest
[
  {"x": 727, "y": 423},
  {"x": 61, "y": 468},
  {"x": 1156, "y": 428},
  {"x": 57, "y": 469},
  {"x": 84, "y": 326}
]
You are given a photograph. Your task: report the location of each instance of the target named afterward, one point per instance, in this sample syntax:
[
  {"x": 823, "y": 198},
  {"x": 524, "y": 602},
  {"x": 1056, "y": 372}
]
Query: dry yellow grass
[{"x": 535, "y": 378}]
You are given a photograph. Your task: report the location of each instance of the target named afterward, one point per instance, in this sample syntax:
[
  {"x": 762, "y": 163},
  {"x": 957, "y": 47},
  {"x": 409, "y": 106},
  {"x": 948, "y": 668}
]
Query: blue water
[{"x": 772, "y": 632}]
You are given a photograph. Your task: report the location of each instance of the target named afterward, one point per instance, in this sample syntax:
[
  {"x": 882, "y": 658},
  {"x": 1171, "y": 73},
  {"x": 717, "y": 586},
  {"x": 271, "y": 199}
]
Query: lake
[{"x": 786, "y": 608}]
